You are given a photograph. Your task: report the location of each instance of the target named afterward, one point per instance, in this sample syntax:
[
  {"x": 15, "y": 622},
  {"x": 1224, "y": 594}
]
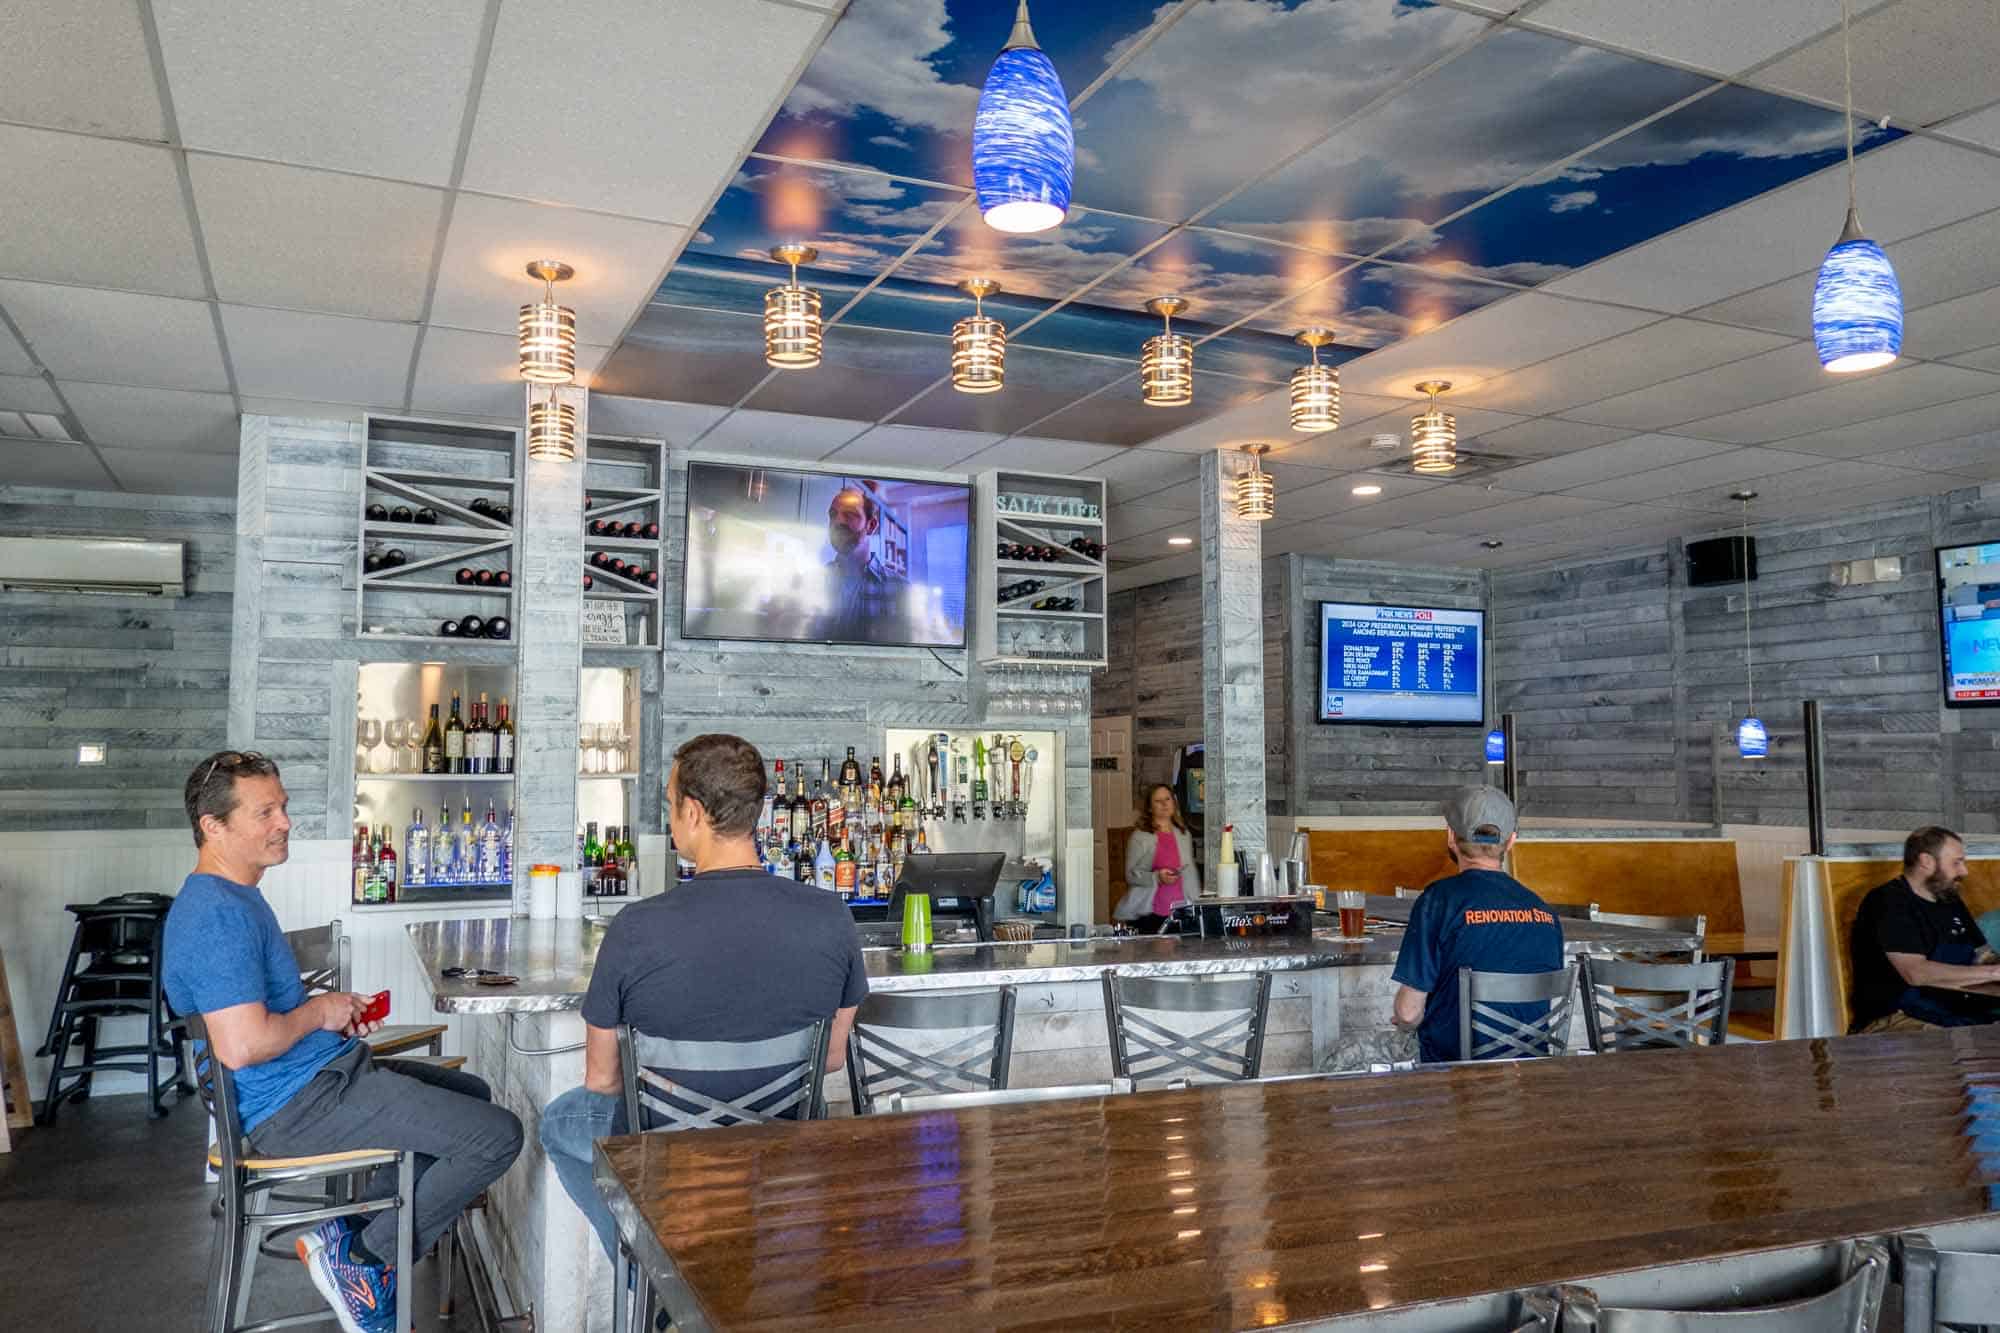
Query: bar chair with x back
[
  {"x": 1144, "y": 1049},
  {"x": 882, "y": 1056},
  {"x": 1487, "y": 1032},
  {"x": 1633, "y": 1006}
]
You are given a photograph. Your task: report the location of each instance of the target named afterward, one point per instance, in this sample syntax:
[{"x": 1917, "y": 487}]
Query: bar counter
[{"x": 1289, "y": 1201}]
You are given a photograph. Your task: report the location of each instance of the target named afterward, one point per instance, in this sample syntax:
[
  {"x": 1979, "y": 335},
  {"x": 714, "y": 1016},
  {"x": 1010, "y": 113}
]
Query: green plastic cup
[{"x": 917, "y": 922}]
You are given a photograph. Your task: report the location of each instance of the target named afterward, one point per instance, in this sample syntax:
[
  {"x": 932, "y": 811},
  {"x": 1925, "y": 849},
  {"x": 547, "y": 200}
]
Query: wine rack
[
  {"x": 1041, "y": 599},
  {"x": 624, "y": 521},
  {"x": 414, "y": 578}
]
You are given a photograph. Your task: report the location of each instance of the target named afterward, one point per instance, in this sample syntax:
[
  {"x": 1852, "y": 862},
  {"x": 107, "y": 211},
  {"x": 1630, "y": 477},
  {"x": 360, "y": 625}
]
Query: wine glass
[
  {"x": 586, "y": 737},
  {"x": 415, "y": 742},
  {"x": 609, "y": 739},
  {"x": 369, "y": 732},
  {"x": 621, "y": 761},
  {"x": 398, "y": 735}
]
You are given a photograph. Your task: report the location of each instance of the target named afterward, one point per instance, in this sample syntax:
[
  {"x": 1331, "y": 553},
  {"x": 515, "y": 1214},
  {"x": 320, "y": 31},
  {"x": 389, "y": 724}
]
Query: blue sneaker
[{"x": 362, "y": 1296}]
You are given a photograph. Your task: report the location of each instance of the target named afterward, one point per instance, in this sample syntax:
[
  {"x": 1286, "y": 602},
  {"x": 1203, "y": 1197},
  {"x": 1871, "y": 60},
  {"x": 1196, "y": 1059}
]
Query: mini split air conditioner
[{"x": 114, "y": 566}]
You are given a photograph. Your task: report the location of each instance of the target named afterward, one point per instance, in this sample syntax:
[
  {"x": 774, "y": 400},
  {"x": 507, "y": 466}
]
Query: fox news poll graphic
[
  {"x": 1403, "y": 664},
  {"x": 1969, "y": 583}
]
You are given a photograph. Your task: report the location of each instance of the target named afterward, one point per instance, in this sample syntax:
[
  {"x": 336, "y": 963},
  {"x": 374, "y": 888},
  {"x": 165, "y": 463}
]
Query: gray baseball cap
[{"x": 1471, "y": 809}]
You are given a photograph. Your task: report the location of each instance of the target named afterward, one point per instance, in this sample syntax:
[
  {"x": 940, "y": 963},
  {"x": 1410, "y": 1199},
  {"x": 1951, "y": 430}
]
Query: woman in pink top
[{"x": 1160, "y": 869}]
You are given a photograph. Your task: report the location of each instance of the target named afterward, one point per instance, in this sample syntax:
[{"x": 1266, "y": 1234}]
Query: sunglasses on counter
[{"x": 458, "y": 973}]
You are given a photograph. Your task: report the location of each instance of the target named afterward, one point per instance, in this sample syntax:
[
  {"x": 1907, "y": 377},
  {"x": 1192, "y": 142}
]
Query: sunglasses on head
[{"x": 231, "y": 758}]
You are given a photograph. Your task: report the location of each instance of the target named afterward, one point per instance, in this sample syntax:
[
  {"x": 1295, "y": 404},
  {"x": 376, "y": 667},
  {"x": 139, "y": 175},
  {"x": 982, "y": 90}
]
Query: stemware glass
[
  {"x": 415, "y": 742},
  {"x": 368, "y": 731},
  {"x": 608, "y": 760},
  {"x": 586, "y": 740},
  {"x": 397, "y": 734}
]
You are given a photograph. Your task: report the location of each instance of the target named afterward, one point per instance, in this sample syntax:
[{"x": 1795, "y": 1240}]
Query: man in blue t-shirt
[
  {"x": 733, "y": 954},
  {"x": 305, "y": 1081},
  {"x": 1481, "y": 918}
]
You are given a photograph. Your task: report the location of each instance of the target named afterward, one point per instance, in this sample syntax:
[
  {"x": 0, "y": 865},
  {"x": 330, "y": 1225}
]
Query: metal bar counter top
[
  {"x": 553, "y": 959},
  {"x": 1292, "y": 1201}
]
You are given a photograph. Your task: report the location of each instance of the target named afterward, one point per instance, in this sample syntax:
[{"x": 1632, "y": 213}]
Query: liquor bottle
[
  {"x": 802, "y": 865},
  {"x": 628, "y": 862},
  {"x": 776, "y": 819},
  {"x": 819, "y": 804},
  {"x": 850, "y": 779},
  {"x": 593, "y": 853},
  {"x": 434, "y": 744},
  {"x": 896, "y": 784},
  {"x": 386, "y": 867},
  {"x": 885, "y": 872},
  {"x": 464, "y": 848},
  {"x": 801, "y": 807},
  {"x": 441, "y": 840},
  {"x": 489, "y": 847},
  {"x": 823, "y": 869},
  {"x": 507, "y": 841},
  {"x": 843, "y": 873},
  {"x": 488, "y": 748},
  {"x": 454, "y": 739},
  {"x": 374, "y": 854},
  {"x": 363, "y": 867},
  {"x": 416, "y": 852},
  {"x": 503, "y": 736},
  {"x": 836, "y": 813},
  {"x": 475, "y": 740}
]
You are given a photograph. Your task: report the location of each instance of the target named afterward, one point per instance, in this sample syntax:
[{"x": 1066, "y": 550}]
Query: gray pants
[{"x": 462, "y": 1141}]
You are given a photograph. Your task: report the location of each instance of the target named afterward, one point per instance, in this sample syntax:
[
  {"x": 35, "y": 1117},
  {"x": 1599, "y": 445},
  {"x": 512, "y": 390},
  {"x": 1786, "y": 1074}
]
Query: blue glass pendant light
[
  {"x": 1023, "y": 149},
  {"x": 1857, "y": 311}
]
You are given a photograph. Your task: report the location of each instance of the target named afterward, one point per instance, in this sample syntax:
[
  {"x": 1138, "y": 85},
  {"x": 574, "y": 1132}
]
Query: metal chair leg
[
  {"x": 624, "y": 1290},
  {"x": 406, "y": 1235},
  {"x": 250, "y": 1237},
  {"x": 218, "y": 1275},
  {"x": 231, "y": 1282}
]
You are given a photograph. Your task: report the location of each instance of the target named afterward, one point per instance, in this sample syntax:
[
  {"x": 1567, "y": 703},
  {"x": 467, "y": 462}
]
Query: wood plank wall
[{"x": 148, "y": 676}]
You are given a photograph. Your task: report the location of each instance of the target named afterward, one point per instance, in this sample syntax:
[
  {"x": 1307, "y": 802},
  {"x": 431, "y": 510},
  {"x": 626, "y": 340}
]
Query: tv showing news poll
[
  {"x": 1401, "y": 665},
  {"x": 1969, "y": 623},
  {"x": 824, "y": 557}
]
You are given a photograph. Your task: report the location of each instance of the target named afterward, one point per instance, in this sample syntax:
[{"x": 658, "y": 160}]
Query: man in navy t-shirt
[
  {"x": 305, "y": 1081},
  {"x": 1481, "y": 918}
]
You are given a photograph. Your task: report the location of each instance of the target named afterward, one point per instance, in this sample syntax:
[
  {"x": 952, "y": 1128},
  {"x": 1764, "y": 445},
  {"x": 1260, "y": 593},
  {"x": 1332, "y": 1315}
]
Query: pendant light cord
[
  {"x": 1847, "y": 61},
  {"x": 1749, "y": 670}
]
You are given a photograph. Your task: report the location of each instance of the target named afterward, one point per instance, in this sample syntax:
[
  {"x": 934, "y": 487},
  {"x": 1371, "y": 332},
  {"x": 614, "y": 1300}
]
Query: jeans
[
  {"x": 462, "y": 1142},
  {"x": 570, "y": 1124}
]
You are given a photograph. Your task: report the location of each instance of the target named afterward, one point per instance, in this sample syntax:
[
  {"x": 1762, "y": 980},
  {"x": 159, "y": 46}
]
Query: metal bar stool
[
  {"x": 1946, "y": 1285},
  {"x": 656, "y": 1103},
  {"x": 1230, "y": 1049},
  {"x": 244, "y": 1229},
  {"x": 113, "y": 971},
  {"x": 1634, "y": 1006},
  {"x": 881, "y": 1061},
  {"x": 1850, "y": 1302},
  {"x": 1488, "y": 1032},
  {"x": 324, "y": 956},
  {"x": 961, "y": 1101},
  {"x": 1696, "y": 926}
]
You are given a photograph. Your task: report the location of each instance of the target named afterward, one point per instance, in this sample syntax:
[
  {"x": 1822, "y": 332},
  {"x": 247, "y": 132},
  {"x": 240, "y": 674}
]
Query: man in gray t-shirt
[{"x": 734, "y": 954}]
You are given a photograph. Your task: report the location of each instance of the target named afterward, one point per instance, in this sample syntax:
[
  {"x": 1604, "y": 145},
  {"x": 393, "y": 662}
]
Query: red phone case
[{"x": 378, "y": 1008}]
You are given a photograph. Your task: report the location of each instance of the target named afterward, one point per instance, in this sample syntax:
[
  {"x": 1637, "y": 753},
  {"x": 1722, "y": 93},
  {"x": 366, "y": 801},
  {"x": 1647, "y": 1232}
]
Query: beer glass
[{"x": 1353, "y": 905}]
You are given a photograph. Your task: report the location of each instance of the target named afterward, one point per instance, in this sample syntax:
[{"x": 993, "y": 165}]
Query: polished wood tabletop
[
  {"x": 1248, "y": 1205},
  {"x": 1739, "y": 944}
]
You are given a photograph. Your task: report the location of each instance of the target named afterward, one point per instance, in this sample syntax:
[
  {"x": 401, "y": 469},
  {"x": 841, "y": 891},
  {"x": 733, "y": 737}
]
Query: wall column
[
  {"x": 1232, "y": 664},
  {"x": 549, "y": 660}
]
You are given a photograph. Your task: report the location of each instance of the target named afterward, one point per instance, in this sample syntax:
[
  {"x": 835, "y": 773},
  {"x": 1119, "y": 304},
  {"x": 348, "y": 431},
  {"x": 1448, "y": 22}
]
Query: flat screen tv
[
  {"x": 1401, "y": 665},
  {"x": 1969, "y": 623},
  {"x": 824, "y": 557}
]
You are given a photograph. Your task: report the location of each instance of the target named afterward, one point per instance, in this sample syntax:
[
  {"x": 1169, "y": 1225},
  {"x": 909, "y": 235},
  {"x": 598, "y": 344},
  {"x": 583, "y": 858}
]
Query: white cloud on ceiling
[
  {"x": 877, "y": 56},
  {"x": 1571, "y": 201}
]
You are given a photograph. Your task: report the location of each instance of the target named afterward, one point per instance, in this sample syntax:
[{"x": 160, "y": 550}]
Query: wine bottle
[
  {"x": 482, "y": 507},
  {"x": 488, "y": 743},
  {"x": 503, "y": 730},
  {"x": 454, "y": 739},
  {"x": 371, "y": 563},
  {"x": 427, "y": 516},
  {"x": 633, "y": 530},
  {"x": 401, "y": 514},
  {"x": 472, "y": 627},
  {"x": 588, "y": 583},
  {"x": 475, "y": 740},
  {"x": 498, "y": 628},
  {"x": 597, "y": 527},
  {"x": 449, "y": 629},
  {"x": 434, "y": 761},
  {"x": 652, "y": 578},
  {"x": 651, "y": 532},
  {"x": 484, "y": 577},
  {"x": 378, "y": 513},
  {"x": 504, "y": 577},
  {"x": 504, "y": 513},
  {"x": 394, "y": 558},
  {"x": 466, "y": 577}
]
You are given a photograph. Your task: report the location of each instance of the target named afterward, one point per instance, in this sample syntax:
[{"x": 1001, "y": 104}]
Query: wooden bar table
[{"x": 1295, "y": 1200}]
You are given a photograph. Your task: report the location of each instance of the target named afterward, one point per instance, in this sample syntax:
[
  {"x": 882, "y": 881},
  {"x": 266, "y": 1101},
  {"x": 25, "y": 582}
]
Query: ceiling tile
[
  {"x": 1387, "y": 545},
  {"x": 628, "y": 106},
  {"x": 1987, "y": 358},
  {"x": 1661, "y": 484},
  {"x": 691, "y": 356},
  {"x": 911, "y": 446},
  {"x": 1646, "y": 356},
  {"x": 28, "y": 393},
  {"x": 1509, "y": 514},
  {"x": 1039, "y": 382},
  {"x": 1980, "y": 127},
  {"x": 43, "y": 464},
  {"x": 1118, "y": 417},
  {"x": 1547, "y": 437},
  {"x": 676, "y": 423},
  {"x": 168, "y": 420},
  {"x": 1902, "y": 388},
  {"x": 1132, "y": 474},
  {"x": 865, "y": 375},
  {"x": 324, "y": 85},
  {"x": 16, "y": 425},
  {"x": 118, "y": 337},
  {"x": 778, "y": 435},
  {"x": 14, "y": 358},
  {"x": 1788, "y": 490},
  {"x": 96, "y": 212},
  {"x": 1722, "y": 36},
  {"x": 1488, "y": 343},
  {"x": 1924, "y": 60},
  {"x": 299, "y": 407},
  {"x": 314, "y": 240},
  {"x": 150, "y": 472},
  {"x": 1127, "y": 522},
  {"x": 1951, "y": 327},
  {"x": 1336, "y": 497},
  {"x": 1868, "y": 438},
  {"x": 1974, "y": 456},
  {"x": 51, "y": 42},
  {"x": 1606, "y": 462},
  {"x": 482, "y": 283},
  {"x": 1783, "y": 372},
  {"x": 1025, "y": 453},
  {"x": 328, "y": 358},
  {"x": 477, "y": 374},
  {"x": 1418, "y": 508},
  {"x": 1906, "y": 187}
]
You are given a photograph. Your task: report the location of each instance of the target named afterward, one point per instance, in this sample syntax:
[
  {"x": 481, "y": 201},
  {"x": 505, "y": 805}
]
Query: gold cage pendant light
[
  {"x": 1433, "y": 434},
  {"x": 548, "y": 330},
  {"x": 1166, "y": 363},
  {"x": 551, "y": 429},
  {"x": 793, "y": 333},
  {"x": 978, "y": 343},
  {"x": 1256, "y": 491},
  {"x": 1315, "y": 388}
]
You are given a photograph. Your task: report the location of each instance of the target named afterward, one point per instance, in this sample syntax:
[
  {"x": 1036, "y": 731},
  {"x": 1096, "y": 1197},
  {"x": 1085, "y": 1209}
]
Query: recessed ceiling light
[
  {"x": 1493, "y": 543},
  {"x": 1367, "y": 490},
  {"x": 1180, "y": 541}
]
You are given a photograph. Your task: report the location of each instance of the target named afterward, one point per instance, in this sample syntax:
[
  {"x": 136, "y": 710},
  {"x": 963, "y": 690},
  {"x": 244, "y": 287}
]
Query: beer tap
[
  {"x": 960, "y": 782},
  {"x": 979, "y": 790},
  {"x": 996, "y": 755},
  {"x": 939, "y": 761},
  {"x": 1028, "y": 780},
  {"x": 1016, "y": 752}
]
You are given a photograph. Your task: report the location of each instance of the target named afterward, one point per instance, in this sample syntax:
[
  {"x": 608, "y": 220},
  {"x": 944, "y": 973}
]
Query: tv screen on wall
[
  {"x": 1969, "y": 623},
  {"x": 824, "y": 557},
  {"x": 1401, "y": 665}
]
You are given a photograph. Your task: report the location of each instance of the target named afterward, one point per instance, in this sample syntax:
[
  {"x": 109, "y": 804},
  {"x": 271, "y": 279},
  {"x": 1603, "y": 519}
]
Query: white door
[{"x": 1110, "y": 795}]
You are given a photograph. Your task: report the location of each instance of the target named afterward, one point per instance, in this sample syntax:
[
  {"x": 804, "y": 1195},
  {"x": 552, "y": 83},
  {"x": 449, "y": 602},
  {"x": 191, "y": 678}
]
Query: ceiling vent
[{"x": 1470, "y": 464}]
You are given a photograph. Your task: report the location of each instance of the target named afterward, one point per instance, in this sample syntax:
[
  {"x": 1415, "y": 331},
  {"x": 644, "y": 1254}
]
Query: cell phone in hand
[{"x": 378, "y": 1008}]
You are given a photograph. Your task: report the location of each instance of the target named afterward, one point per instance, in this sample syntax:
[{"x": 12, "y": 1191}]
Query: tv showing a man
[{"x": 866, "y": 601}]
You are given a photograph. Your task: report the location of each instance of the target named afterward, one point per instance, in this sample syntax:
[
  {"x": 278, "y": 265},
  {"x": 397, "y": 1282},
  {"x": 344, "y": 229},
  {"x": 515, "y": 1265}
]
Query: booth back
[
  {"x": 1377, "y": 860},
  {"x": 1641, "y": 876}
]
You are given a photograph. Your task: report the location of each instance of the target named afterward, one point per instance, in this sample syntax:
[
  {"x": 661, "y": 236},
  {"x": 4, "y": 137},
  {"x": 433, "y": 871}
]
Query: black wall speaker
[{"x": 1721, "y": 560}]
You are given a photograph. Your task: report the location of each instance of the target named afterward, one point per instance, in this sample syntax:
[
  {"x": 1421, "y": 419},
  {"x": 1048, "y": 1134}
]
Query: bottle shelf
[
  {"x": 434, "y": 777},
  {"x": 438, "y": 532},
  {"x": 378, "y": 583},
  {"x": 593, "y": 595},
  {"x": 1045, "y": 520},
  {"x": 1052, "y": 567},
  {"x": 1045, "y": 615},
  {"x": 650, "y": 545},
  {"x": 605, "y": 777}
]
